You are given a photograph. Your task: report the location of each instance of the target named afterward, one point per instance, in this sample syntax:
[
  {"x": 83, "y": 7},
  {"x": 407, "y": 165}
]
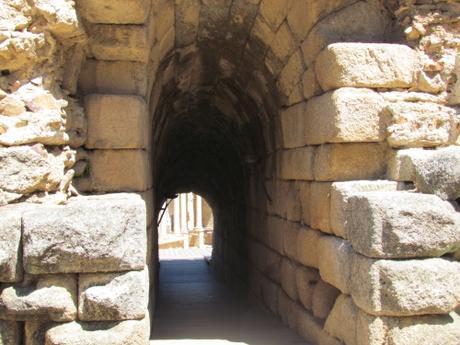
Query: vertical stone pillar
[
  {"x": 176, "y": 225},
  {"x": 190, "y": 212},
  {"x": 199, "y": 221},
  {"x": 183, "y": 218},
  {"x": 199, "y": 212},
  {"x": 183, "y": 213}
]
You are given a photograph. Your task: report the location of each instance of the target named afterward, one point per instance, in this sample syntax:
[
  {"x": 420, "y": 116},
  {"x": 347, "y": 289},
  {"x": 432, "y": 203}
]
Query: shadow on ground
[{"x": 194, "y": 308}]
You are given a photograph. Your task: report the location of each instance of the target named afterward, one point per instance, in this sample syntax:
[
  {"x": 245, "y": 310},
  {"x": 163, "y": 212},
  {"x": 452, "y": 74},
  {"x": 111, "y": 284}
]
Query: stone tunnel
[{"x": 324, "y": 134}]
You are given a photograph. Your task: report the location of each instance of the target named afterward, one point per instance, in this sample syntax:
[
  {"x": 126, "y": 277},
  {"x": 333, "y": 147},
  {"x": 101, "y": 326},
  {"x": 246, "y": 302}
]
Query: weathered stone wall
[
  {"x": 41, "y": 124},
  {"x": 432, "y": 27},
  {"x": 340, "y": 250},
  {"x": 76, "y": 273},
  {"x": 332, "y": 165},
  {"x": 339, "y": 257}
]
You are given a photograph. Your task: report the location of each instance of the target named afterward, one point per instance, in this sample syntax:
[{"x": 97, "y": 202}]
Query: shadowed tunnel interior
[
  {"x": 216, "y": 153},
  {"x": 225, "y": 105},
  {"x": 213, "y": 124},
  {"x": 212, "y": 139}
]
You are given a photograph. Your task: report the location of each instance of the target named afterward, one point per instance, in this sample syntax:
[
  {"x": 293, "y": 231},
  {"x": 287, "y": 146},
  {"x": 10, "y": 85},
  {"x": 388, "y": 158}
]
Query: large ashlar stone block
[
  {"x": 439, "y": 173},
  {"x": 324, "y": 297},
  {"x": 113, "y": 296},
  {"x": 54, "y": 298},
  {"x": 118, "y": 171},
  {"x": 131, "y": 332},
  {"x": 372, "y": 65},
  {"x": 342, "y": 320},
  {"x": 341, "y": 191},
  {"x": 405, "y": 287},
  {"x": 420, "y": 330},
  {"x": 307, "y": 247},
  {"x": 353, "y": 161},
  {"x": 75, "y": 237},
  {"x": 288, "y": 278},
  {"x": 362, "y": 22},
  {"x": 401, "y": 225},
  {"x": 9, "y": 333},
  {"x": 419, "y": 124},
  {"x": 115, "y": 12},
  {"x": 401, "y": 163},
  {"x": 293, "y": 126},
  {"x": 433, "y": 171},
  {"x": 10, "y": 249},
  {"x": 355, "y": 327},
  {"x": 345, "y": 115},
  {"x": 114, "y": 77},
  {"x": 116, "y": 122},
  {"x": 297, "y": 164},
  {"x": 320, "y": 206},
  {"x": 306, "y": 279},
  {"x": 119, "y": 42},
  {"x": 336, "y": 259}
]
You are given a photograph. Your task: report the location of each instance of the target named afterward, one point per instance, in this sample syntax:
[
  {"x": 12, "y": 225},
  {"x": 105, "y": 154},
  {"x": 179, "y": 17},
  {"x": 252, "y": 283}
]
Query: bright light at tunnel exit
[{"x": 185, "y": 222}]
